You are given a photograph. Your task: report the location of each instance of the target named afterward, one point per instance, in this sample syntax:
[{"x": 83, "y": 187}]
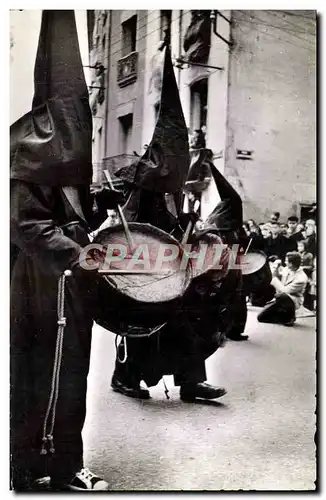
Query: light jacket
[{"x": 293, "y": 283}]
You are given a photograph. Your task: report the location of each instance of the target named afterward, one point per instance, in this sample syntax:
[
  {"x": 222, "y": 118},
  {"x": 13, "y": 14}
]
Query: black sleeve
[{"x": 35, "y": 233}]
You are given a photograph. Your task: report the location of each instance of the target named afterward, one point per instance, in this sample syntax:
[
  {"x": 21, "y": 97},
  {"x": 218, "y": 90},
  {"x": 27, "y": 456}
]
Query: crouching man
[{"x": 289, "y": 292}]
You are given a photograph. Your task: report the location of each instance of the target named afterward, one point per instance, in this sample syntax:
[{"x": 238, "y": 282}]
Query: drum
[
  {"x": 209, "y": 254},
  {"x": 141, "y": 287},
  {"x": 256, "y": 271}
]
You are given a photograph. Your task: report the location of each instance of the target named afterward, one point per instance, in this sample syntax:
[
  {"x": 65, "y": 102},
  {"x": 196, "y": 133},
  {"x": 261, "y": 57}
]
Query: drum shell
[
  {"x": 119, "y": 312},
  {"x": 257, "y": 280}
]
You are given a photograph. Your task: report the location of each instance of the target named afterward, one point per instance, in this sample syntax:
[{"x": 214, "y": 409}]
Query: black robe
[
  {"x": 47, "y": 248},
  {"x": 194, "y": 331}
]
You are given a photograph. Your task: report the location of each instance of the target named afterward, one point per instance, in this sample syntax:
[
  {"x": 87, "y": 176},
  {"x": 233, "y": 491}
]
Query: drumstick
[
  {"x": 137, "y": 271},
  {"x": 121, "y": 214},
  {"x": 248, "y": 246},
  {"x": 189, "y": 226}
]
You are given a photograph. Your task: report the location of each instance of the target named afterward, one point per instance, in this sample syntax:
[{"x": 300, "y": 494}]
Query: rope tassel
[{"x": 47, "y": 438}]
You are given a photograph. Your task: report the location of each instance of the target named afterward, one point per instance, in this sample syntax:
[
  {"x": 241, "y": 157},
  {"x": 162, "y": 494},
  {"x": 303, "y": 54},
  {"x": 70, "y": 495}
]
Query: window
[
  {"x": 126, "y": 133},
  {"x": 129, "y": 33},
  {"x": 198, "y": 112},
  {"x": 307, "y": 211},
  {"x": 165, "y": 25}
]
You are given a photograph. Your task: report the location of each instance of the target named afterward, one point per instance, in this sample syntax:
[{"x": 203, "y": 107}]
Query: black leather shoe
[
  {"x": 132, "y": 390},
  {"x": 238, "y": 338},
  {"x": 189, "y": 392}
]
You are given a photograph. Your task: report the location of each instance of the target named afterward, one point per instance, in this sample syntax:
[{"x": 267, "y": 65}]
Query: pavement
[{"x": 258, "y": 437}]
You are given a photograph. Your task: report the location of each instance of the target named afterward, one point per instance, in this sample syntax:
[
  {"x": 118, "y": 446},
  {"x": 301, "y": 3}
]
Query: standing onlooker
[
  {"x": 265, "y": 230},
  {"x": 311, "y": 238},
  {"x": 307, "y": 264},
  {"x": 307, "y": 258},
  {"x": 294, "y": 233},
  {"x": 276, "y": 244},
  {"x": 284, "y": 229},
  {"x": 275, "y": 217},
  {"x": 313, "y": 286}
]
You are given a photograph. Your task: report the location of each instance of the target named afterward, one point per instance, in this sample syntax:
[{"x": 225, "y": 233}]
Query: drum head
[
  {"x": 252, "y": 262},
  {"x": 157, "y": 270},
  {"x": 210, "y": 255}
]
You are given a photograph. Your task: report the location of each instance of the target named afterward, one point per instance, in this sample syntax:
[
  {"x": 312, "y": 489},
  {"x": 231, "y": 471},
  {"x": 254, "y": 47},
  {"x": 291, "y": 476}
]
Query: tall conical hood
[
  {"x": 165, "y": 164},
  {"x": 52, "y": 144},
  {"x": 228, "y": 215}
]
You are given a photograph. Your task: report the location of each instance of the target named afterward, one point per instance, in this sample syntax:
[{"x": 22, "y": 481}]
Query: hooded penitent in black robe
[
  {"x": 51, "y": 148},
  {"x": 193, "y": 332},
  {"x": 227, "y": 218},
  {"x": 177, "y": 348}
]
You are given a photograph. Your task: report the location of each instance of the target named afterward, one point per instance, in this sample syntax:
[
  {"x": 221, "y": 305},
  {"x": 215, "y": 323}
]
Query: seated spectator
[
  {"x": 311, "y": 237},
  {"x": 288, "y": 293},
  {"x": 276, "y": 244},
  {"x": 294, "y": 233}
]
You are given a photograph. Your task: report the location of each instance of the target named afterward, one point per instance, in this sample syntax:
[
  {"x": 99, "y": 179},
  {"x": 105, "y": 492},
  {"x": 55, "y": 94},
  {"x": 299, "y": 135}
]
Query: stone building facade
[{"x": 247, "y": 79}]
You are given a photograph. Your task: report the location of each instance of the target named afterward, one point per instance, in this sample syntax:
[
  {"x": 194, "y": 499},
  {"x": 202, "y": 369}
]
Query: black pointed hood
[
  {"x": 228, "y": 215},
  {"x": 165, "y": 164},
  {"x": 52, "y": 144}
]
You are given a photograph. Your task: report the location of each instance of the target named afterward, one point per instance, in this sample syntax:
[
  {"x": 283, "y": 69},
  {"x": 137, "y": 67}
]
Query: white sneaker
[{"x": 85, "y": 480}]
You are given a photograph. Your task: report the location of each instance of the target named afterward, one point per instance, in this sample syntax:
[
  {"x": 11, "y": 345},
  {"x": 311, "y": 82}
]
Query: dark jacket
[
  {"x": 276, "y": 246},
  {"x": 311, "y": 244}
]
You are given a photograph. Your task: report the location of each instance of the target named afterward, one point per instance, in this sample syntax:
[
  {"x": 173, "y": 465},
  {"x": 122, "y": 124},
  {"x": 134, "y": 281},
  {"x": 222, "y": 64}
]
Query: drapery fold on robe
[
  {"x": 165, "y": 164},
  {"x": 228, "y": 214},
  {"x": 52, "y": 144}
]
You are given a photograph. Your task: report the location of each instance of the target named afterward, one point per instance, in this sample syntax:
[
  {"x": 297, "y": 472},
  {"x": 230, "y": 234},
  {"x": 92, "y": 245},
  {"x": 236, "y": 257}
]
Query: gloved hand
[
  {"x": 185, "y": 218},
  {"x": 108, "y": 198},
  {"x": 89, "y": 262}
]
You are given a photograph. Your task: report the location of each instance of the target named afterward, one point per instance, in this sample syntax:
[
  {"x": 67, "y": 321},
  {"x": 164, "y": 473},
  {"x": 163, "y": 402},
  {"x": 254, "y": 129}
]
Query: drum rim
[
  {"x": 154, "y": 231},
  {"x": 256, "y": 252}
]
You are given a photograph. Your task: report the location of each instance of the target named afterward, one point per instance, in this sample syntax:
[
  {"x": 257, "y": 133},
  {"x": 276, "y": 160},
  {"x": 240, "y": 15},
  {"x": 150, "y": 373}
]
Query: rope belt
[{"x": 47, "y": 437}]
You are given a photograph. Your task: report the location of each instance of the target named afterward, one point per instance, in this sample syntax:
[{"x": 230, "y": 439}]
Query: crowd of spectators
[{"x": 276, "y": 239}]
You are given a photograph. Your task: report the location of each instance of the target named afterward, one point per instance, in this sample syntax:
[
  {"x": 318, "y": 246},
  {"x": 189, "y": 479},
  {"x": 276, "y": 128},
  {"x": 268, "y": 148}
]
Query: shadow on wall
[{"x": 250, "y": 209}]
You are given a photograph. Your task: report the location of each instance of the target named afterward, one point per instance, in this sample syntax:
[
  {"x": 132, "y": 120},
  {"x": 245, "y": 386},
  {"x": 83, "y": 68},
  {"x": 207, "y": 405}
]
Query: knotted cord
[{"x": 54, "y": 394}]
